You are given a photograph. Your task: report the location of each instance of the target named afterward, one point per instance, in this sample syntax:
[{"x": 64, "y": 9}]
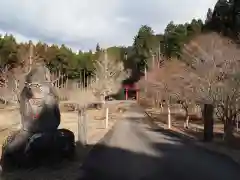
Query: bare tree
[
  {"x": 215, "y": 60},
  {"x": 184, "y": 91},
  {"x": 174, "y": 83},
  {"x": 4, "y": 83},
  {"x": 151, "y": 96},
  {"x": 60, "y": 82},
  {"x": 160, "y": 86},
  {"x": 81, "y": 98},
  {"x": 9, "y": 86},
  {"x": 109, "y": 75},
  {"x": 15, "y": 77}
]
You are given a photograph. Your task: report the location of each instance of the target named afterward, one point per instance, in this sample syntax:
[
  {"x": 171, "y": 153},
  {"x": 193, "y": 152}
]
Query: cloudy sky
[{"x": 80, "y": 24}]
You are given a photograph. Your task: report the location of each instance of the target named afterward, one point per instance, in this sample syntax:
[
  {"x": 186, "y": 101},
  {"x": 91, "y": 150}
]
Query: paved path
[{"x": 134, "y": 151}]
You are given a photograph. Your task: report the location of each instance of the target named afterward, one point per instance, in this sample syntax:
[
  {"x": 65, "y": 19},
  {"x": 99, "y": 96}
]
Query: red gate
[{"x": 130, "y": 88}]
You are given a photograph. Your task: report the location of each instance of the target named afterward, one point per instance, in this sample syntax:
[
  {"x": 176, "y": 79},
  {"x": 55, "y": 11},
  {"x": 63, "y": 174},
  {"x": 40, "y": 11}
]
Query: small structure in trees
[{"x": 131, "y": 91}]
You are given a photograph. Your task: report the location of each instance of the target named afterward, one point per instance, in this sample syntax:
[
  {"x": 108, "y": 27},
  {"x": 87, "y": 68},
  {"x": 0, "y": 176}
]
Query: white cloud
[{"x": 80, "y": 24}]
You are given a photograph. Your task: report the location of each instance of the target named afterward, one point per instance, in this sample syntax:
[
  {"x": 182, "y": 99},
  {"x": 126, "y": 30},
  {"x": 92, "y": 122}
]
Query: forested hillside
[{"x": 146, "y": 44}]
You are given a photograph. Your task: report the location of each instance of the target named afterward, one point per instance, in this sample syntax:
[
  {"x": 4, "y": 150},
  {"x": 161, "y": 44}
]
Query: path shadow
[{"x": 169, "y": 162}]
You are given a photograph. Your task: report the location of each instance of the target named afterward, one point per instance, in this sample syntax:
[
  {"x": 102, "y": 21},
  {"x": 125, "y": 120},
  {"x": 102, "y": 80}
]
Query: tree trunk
[
  {"x": 153, "y": 102},
  {"x": 157, "y": 99},
  {"x": 169, "y": 116},
  {"x": 228, "y": 131},
  {"x": 161, "y": 106},
  {"x": 107, "y": 111},
  {"x": 85, "y": 121},
  {"x": 237, "y": 123},
  {"x": 81, "y": 127},
  {"x": 186, "y": 124},
  {"x": 208, "y": 122},
  {"x": 185, "y": 107},
  {"x": 107, "y": 116}
]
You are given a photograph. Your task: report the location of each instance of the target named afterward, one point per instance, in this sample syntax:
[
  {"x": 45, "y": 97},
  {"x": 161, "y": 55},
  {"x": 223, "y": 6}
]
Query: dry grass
[
  {"x": 9, "y": 121},
  {"x": 66, "y": 170}
]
